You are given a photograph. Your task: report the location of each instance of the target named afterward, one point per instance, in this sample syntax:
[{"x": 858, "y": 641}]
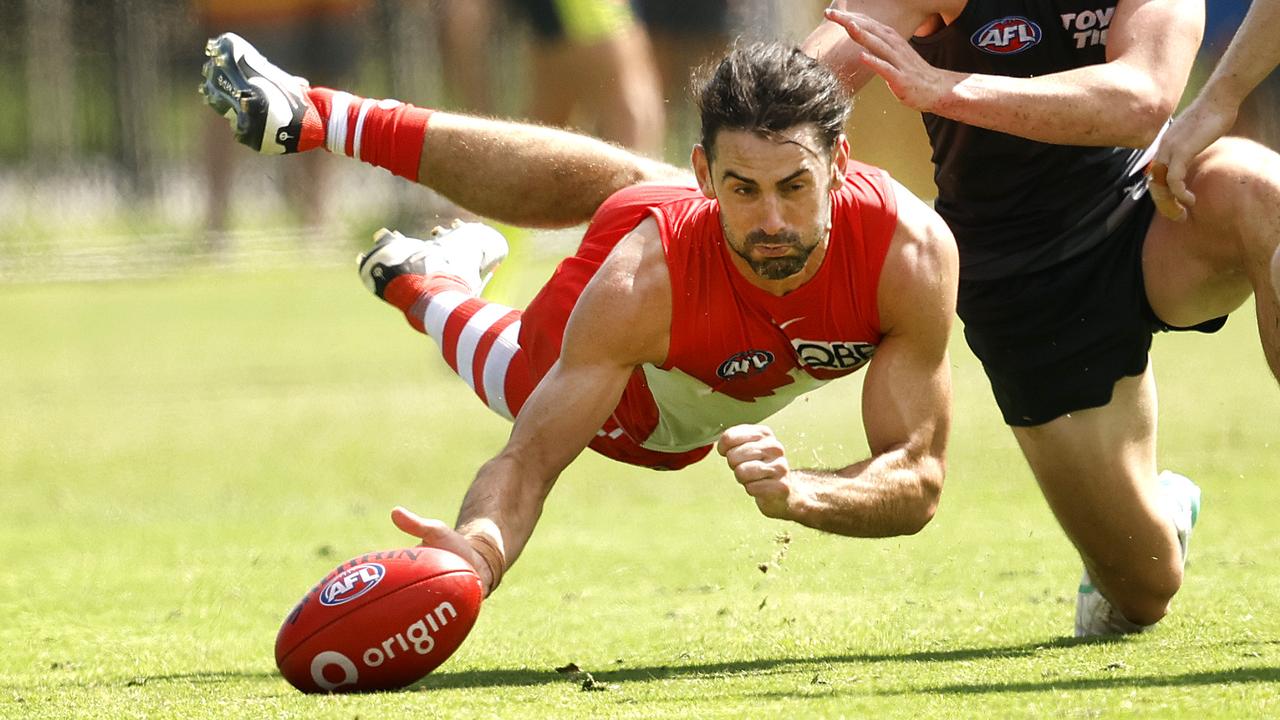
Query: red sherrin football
[{"x": 379, "y": 621}]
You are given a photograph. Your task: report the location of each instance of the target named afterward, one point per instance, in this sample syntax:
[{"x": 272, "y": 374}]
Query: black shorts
[{"x": 1056, "y": 340}]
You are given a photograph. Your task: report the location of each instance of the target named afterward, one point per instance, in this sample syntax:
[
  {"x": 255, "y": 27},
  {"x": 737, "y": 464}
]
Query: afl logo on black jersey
[
  {"x": 1007, "y": 36},
  {"x": 744, "y": 363}
]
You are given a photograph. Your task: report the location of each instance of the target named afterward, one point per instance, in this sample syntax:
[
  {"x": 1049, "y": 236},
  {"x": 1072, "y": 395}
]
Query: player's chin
[{"x": 779, "y": 268}]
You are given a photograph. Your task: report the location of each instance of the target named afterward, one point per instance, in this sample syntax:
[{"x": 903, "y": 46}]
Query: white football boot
[
  {"x": 264, "y": 104},
  {"x": 1094, "y": 615},
  {"x": 469, "y": 252}
]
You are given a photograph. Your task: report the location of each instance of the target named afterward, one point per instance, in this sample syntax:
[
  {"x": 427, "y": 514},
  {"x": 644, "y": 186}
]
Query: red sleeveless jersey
[{"x": 737, "y": 353}]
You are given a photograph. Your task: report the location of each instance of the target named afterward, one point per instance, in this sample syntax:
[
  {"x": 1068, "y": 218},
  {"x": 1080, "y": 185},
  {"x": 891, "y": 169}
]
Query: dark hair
[{"x": 766, "y": 88}]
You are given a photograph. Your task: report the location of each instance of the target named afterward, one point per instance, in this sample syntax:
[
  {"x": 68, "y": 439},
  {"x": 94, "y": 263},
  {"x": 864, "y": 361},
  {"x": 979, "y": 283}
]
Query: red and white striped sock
[
  {"x": 385, "y": 133},
  {"x": 479, "y": 339}
]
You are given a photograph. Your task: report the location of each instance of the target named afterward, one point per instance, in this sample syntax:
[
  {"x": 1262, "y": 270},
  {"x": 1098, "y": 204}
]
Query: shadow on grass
[
  {"x": 768, "y": 666},
  {"x": 198, "y": 678},
  {"x": 764, "y": 666},
  {"x": 1235, "y": 676}
]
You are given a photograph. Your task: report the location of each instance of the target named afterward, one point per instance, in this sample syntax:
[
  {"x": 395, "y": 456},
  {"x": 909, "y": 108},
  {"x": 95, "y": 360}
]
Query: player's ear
[
  {"x": 839, "y": 161},
  {"x": 702, "y": 170}
]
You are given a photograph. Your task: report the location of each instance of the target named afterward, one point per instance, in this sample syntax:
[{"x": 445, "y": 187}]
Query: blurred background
[{"x": 111, "y": 166}]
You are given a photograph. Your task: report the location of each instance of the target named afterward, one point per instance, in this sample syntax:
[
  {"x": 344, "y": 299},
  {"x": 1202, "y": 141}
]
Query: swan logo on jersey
[
  {"x": 1007, "y": 36},
  {"x": 744, "y": 364},
  {"x": 351, "y": 584},
  {"x": 820, "y": 355}
]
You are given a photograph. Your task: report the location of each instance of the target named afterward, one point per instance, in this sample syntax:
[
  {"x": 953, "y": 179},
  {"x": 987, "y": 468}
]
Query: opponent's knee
[
  {"x": 1237, "y": 187},
  {"x": 1237, "y": 178},
  {"x": 1144, "y": 598}
]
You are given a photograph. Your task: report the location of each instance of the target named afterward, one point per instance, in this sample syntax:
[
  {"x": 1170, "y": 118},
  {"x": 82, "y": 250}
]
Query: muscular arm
[
  {"x": 528, "y": 175},
  {"x": 617, "y": 324},
  {"x": 1122, "y": 102},
  {"x": 906, "y": 404}
]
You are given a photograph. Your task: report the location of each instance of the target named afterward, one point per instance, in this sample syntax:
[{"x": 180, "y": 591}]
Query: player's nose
[{"x": 772, "y": 223}]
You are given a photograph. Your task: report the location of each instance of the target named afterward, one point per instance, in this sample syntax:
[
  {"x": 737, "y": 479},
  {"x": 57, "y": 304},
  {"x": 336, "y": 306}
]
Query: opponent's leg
[
  {"x": 435, "y": 283},
  {"x": 521, "y": 174},
  {"x": 1096, "y": 468},
  {"x": 1095, "y": 615},
  {"x": 1208, "y": 265}
]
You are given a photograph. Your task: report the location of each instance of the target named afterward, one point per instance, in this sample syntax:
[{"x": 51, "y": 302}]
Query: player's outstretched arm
[
  {"x": 1250, "y": 57},
  {"x": 622, "y": 320},
  {"x": 504, "y": 502},
  {"x": 906, "y": 405},
  {"x": 1150, "y": 46},
  {"x": 516, "y": 173}
]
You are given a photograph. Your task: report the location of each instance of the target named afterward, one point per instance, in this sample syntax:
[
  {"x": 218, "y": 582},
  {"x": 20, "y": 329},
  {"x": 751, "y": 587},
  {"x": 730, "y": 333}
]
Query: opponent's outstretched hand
[
  {"x": 759, "y": 463},
  {"x": 437, "y": 534},
  {"x": 915, "y": 83},
  {"x": 1205, "y": 120}
]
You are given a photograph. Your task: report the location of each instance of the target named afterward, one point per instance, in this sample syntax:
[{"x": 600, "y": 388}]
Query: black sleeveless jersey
[{"x": 1016, "y": 205}]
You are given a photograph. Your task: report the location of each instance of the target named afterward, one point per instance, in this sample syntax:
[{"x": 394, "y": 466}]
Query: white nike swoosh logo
[{"x": 783, "y": 326}]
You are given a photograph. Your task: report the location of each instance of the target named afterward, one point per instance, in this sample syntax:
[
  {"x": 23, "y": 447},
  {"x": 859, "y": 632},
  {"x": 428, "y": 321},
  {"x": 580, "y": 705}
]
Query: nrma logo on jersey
[
  {"x": 749, "y": 362},
  {"x": 820, "y": 355},
  {"x": 1007, "y": 36},
  {"x": 351, "y": 584}
]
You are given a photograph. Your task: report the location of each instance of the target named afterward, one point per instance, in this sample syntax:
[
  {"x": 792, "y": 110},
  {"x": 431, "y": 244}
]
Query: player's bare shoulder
[
  {"x": 922, "y": 267},
  {"x": 637, "y": 265},
  {"x": 627, "y": 304}
]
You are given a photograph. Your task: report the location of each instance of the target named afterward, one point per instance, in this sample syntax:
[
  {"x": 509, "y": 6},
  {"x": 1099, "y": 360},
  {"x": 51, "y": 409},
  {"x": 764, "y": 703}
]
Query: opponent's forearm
[
  {"x": 830, "y": 45},
  {"x": 891, "y": 494},
  {"x": 1098, "y": 105},
  {"x": 527, "y": 175},
  {"x": 1250, "y": 57}
]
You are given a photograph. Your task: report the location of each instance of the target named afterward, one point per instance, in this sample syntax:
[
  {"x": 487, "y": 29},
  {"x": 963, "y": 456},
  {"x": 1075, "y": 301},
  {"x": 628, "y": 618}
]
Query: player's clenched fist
[{"x": 759, "y": 463}]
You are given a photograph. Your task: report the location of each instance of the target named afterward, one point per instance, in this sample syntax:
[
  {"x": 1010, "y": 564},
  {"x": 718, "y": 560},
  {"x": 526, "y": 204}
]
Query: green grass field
[{"x": 181, "y": 459}]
